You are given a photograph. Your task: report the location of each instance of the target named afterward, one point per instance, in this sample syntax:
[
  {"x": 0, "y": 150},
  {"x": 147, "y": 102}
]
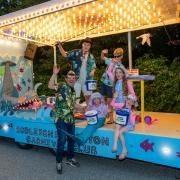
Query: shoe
[
  {"x": 110, "y": 122},
  {"x": 59, "y": 168},
  {"x": 73, "y": 162},
  {"x": 122, "y": 156}
]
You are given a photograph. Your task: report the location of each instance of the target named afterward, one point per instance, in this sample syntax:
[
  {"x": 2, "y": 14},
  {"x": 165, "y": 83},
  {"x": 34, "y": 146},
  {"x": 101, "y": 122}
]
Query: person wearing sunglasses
[
  {"x": 83, "y": 64},
  {"x": 107, "y": 82},
  {"x": 63, "y": 116}
]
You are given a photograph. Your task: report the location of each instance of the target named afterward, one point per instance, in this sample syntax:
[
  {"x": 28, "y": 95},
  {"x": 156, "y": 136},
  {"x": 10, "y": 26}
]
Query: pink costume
[{"x": 119, "y": 104}]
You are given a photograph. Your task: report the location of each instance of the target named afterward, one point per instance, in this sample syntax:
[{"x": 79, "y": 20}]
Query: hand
[
  {"x": 105, "y": 51},
  {"x": 56, "y": 70},
  {"x": 58, "y": 43},
  {"x": 115, "y": 95},
  {"x": 114, "y": 60},
  {"x": 91, "y": 74}
]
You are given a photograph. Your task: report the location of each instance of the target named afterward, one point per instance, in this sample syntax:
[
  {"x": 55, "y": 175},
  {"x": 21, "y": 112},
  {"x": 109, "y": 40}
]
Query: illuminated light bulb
[
  {"x": 1, "y": 41},
  {"x": 145, "y": 2},
  {"x": 159, "y": 19},
  {"x": 166, "y": 150},
  {"x": 159, "y": 12},
  {"x": 8, "y": 42},
  {"x": 120, "y": 11},
  {"x": 125, "y": 6},
  {"x": 5, "y": 127}
]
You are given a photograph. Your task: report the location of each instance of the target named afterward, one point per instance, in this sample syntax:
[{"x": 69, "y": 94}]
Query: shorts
[
  {"x": 78, "y": 87},
  {"x": 106, "y": 90}
]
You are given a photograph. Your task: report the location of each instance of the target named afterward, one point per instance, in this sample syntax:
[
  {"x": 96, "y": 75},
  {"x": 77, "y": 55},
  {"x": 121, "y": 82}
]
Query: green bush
[{"x": 163, "y": 93}]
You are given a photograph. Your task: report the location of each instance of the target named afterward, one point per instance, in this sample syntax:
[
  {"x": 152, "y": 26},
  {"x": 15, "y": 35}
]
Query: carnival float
[{"x": 26, "y": 116}]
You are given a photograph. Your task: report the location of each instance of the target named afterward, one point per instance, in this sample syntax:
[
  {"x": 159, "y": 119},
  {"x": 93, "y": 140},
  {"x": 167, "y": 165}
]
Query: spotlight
[
  {"x": 166, "y": 150},
  {"x": 5, "y": 127}
]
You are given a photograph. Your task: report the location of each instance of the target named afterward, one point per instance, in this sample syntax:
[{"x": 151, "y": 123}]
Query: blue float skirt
[{"x": 87, "y": 132}]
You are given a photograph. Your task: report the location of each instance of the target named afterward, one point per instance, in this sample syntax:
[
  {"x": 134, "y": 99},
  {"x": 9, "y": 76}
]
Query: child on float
[
  {"x": 129, "y": 107},
  {"x": 122, "y": 87},
  {"x": 97, "y": 104},
  {"x": 107, "y": 82}
]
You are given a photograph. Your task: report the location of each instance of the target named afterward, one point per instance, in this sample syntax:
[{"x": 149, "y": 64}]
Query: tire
[
  {"x": 53, "y": 151},
  {"x": 24, "y": 145}
]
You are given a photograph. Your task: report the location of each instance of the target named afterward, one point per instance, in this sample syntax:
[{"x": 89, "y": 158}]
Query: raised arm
[
  {"x": 61, "y": 49},
  {"x": 110, "y": 71},
  {"x": 104, "y": 53},
  {"x": 52, "y": 84}
]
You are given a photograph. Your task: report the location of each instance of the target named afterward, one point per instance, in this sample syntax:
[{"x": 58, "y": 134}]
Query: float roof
[{"x": 69, "y": 20}]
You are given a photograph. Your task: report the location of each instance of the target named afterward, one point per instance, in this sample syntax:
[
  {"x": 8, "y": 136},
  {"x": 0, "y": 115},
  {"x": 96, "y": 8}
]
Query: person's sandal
[
  {"x": 122, "y": 156},
  {"x": 110, "y": 122}
]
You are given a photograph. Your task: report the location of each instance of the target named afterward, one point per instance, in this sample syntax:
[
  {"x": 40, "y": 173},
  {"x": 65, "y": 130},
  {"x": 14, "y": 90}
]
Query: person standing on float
[
  {"x": 107, "y": 83},
  {"x": 83, "y": 64}
]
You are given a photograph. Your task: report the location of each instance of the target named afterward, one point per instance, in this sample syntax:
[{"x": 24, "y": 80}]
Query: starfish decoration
[{"x": 145, "y": 38}]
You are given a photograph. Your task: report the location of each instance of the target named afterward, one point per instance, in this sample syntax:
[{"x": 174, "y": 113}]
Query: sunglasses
[{"x": 117, "y": 56}]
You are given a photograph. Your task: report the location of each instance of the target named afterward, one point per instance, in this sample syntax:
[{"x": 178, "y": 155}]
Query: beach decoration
[
  {"x": 145, "y": 39},
  {"x": 148, "y": 120}
]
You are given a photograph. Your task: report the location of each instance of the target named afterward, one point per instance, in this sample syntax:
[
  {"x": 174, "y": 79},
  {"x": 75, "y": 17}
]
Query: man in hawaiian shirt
[
  {"x": 63, "y": 114},
  {"x": 107, "y": 83},
  {"x": 83, "y": 64}
]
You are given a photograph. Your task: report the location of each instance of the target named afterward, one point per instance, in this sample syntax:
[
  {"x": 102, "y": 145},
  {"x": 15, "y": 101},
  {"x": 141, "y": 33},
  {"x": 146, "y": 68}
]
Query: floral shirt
[
  {"x": 105, "y": 78},
  {"x": 62, "y": 109},
  {"x": 76, "y": 57}
]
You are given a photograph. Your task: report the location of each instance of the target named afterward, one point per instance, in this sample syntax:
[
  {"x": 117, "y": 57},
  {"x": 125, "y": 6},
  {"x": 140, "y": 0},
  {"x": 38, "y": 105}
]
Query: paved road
[{"x": 39, "y": 164}]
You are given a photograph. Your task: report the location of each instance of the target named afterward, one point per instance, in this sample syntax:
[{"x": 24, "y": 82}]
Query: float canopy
[{"x": 69, "y": 20}]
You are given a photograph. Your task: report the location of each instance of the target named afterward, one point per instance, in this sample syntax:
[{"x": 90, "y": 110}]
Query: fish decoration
[
  {"x": 146, "y": 145},
  {"x": 19, "y": 88},
  {"x": 29, "y": 80},
  {"x": 23, "y": 82},
  {"x": 28, "y": 89}
]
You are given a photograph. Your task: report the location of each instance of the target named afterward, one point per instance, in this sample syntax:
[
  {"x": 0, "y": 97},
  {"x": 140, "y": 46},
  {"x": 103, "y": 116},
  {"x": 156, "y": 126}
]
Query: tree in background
[
  {"x": 163, "y": 93},
  {"x": 8, "y": 6}
]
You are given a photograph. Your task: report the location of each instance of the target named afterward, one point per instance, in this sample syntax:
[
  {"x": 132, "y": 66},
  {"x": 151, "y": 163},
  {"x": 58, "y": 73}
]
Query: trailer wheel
[
  {"x": 24, "y": 145},
  {"x": 53, "y": 151}
]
